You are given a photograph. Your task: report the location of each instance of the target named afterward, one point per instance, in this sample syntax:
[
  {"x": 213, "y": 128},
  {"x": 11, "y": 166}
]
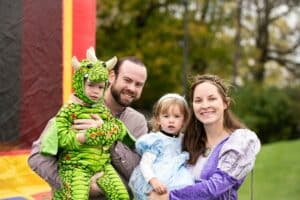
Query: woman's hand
[
  {"x": 158, "y": 187},
  {"x": 84, "y": 124},
  {"x": 155, "y": 196}
]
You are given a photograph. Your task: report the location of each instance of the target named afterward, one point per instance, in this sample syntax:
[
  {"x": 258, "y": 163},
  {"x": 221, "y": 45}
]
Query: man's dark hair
[{"x": 128, "y": 58}]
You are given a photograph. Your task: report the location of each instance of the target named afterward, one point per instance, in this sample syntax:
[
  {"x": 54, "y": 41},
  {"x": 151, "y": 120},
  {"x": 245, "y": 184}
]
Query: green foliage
[
  {"x": 153, "y": 35},
  {"x": 276, "y": 173},
  {"x": 272, "y": 112},
  {"x": 153, "y": 31},
  {"x": 209, "y": 52}
]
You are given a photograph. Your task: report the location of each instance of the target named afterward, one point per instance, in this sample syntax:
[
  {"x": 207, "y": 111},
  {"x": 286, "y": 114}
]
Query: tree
[
  {"x": 149, "y": 30},
  {"x": 234, "y": 39},
  {"x": 275, "y": 39}
]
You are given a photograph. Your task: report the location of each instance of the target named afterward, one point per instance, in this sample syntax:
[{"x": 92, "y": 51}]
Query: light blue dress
[{"x": 169, "y": 165}]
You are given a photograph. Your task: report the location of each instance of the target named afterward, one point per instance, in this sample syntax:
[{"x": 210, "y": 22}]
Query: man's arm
[
  {"x": 44, "y": 166},
  {"x": 123, "y": 158}
]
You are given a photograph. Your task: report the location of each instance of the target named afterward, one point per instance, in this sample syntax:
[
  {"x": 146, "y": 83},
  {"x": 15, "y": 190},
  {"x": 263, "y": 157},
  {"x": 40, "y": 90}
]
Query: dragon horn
[
  {"x": 75, "y": 63},
  {"x": 90, "y": 55},
  {"x": 111, "y": 63}
]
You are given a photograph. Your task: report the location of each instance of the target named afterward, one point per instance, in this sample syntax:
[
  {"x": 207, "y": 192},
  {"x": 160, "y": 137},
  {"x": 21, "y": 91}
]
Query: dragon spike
[
  {"x": 91, "y": 55},
  {"x": 75, "y": 63},
  {"x": 111, "y": 63}
]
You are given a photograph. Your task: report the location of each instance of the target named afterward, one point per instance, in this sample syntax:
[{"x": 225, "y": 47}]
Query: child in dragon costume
[{"x": 77, "y": 161}]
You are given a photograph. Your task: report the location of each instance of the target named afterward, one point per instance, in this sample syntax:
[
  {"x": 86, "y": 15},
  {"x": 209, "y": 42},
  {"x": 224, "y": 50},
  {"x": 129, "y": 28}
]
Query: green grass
[{"x": 276, "y": 173}]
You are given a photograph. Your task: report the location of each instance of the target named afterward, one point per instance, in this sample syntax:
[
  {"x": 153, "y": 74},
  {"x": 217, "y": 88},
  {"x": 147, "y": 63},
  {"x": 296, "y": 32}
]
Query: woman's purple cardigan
[{"x": 225, "y": 169}]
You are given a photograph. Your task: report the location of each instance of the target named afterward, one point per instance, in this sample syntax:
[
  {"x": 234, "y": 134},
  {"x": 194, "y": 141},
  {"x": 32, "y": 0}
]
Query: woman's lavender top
[{"x": 225, "y": 169}]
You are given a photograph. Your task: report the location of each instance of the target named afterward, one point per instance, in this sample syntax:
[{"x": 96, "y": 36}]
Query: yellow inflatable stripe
[
  {"x": 67, "y": 48},
  {"x": 17, "y": 179}
]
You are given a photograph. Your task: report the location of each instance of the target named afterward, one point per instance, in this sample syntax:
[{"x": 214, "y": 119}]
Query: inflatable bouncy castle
[{"x": 37, "y": 41}]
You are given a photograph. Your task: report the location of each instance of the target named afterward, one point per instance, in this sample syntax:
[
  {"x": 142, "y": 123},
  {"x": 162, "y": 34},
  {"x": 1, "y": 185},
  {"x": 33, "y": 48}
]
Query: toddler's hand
[{"x": 158, "y": 187}]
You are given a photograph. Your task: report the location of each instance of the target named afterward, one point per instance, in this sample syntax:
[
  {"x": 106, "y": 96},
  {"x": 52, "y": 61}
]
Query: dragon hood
[{"x": 91, "y": 69}]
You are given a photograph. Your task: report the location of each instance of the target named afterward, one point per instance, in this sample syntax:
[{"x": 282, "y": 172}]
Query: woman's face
[{"x": 208, "y": 105}]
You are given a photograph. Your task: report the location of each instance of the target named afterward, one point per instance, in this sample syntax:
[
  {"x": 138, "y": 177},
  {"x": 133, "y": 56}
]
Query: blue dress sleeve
[{"x": 149, "y": 143}]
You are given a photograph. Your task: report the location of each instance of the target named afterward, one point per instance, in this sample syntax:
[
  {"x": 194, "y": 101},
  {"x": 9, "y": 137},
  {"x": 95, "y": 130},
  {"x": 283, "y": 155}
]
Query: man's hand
[
  {"x": 94, "y": 189},
  {"x": 84, "y": 124},
  {"x": 155, "y": 196},
  {"x": 158, "y": 186}
]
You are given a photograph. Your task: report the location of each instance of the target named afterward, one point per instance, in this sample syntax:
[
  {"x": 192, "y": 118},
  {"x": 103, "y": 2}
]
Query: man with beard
[{"x": 126, "y": 80}]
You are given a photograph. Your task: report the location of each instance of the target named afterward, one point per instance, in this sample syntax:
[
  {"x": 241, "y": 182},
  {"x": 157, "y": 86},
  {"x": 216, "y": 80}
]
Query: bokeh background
[{"x": 253, "y": 44}]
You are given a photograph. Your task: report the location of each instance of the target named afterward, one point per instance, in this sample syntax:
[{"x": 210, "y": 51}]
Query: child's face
[
  {"x": 94, "y": 91},
  {"x": 172, "y": 121}
]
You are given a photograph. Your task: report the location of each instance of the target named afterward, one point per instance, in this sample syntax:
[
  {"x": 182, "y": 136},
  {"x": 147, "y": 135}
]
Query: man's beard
[{"x": 117, "y": 96}]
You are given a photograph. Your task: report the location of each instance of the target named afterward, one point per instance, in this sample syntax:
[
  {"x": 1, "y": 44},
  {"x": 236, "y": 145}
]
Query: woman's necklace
[
  {"x": 207, "y": 151},
  {"x": 209, "y": 147}
]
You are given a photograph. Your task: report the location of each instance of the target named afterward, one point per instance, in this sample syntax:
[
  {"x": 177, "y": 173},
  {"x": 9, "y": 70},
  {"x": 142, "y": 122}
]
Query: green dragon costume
[{"x": 77, "y": 162}]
